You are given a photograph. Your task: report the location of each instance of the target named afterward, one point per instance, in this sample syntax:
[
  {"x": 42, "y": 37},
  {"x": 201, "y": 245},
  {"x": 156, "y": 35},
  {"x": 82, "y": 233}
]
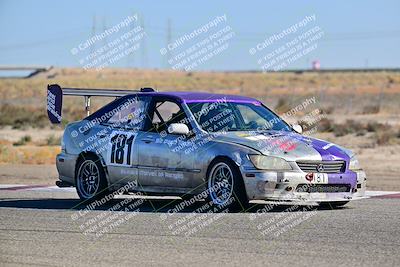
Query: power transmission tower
[
  {"x": 104, "y": 29},
  {"x": 168, "y": 55},
  {"x": 92, "y": 46},
  {"x": 130, "y": 59},
  {"x": 143, "y": 45}
]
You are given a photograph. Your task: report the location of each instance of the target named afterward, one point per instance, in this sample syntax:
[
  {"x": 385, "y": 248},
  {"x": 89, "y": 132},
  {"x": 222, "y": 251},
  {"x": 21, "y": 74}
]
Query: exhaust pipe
[{"x": 63, "y": 184}]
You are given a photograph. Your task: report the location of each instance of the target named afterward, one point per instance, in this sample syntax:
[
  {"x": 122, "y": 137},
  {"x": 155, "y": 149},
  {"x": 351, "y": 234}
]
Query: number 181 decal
[{"x": 120, "y": 148}]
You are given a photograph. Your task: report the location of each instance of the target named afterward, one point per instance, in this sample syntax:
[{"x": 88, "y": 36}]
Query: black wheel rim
[
  {"x": 88, "y": 181},
  {"x": 220, "y": 183}
]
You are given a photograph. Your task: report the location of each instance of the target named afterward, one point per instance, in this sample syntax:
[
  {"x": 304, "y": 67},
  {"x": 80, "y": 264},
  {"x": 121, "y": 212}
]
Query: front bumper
[{"x": 292, "y": 186}]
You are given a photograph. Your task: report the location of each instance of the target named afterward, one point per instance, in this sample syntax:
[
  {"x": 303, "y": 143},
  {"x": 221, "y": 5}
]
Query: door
[
  {"x": 160, "y": 153},
  {"x": 121, "y": 155}
]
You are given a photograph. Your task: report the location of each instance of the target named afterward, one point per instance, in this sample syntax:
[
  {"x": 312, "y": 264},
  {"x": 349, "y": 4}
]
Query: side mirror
[
  {"x": 297, "y": 128},
  {"x": 178, "y": 128}
]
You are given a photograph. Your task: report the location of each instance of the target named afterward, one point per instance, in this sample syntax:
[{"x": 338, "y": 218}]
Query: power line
[{"x": 241, "y": 37}]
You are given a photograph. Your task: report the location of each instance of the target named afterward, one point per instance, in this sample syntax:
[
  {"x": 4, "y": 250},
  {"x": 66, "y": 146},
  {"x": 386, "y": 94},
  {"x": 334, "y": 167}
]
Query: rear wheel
[
  {"x": 225, "y": 186},
  {"x": 90, "y": 179}
]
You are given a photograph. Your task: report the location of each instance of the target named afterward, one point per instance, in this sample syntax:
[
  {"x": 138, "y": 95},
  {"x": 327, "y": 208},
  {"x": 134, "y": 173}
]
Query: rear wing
[{"x": 55, "y": 96}]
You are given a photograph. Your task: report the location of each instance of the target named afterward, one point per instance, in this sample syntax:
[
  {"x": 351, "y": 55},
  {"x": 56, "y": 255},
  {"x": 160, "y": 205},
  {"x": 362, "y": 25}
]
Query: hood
[{"x": 288, "y": 145}]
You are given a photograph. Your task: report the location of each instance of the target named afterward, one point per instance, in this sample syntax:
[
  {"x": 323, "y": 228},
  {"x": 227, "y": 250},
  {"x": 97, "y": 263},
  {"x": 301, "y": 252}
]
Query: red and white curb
[
  {"x": 382, "y": 194},
  {"x": 35, "y": 188},
  {"x": 53, "y": 188}
]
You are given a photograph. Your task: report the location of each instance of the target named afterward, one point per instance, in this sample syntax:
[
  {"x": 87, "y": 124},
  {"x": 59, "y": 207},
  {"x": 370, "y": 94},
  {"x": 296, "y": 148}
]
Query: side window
[
  {"x": 165, "y": 113},
  {"x": 130, "y": 113}
]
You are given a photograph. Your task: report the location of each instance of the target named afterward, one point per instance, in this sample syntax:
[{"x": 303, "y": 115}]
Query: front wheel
[{"x": 225, "y": 186}]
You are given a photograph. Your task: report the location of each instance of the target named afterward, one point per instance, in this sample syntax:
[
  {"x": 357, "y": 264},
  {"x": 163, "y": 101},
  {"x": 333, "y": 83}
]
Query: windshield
[{"x": 233, "y": 116}]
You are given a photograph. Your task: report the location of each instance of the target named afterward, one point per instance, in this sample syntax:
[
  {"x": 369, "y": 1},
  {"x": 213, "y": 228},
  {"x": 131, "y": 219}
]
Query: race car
[{"x": 230, "y": 149}]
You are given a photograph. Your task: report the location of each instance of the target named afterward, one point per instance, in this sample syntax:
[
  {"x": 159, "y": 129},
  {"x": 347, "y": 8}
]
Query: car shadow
[{"x": 146, "y": 205}]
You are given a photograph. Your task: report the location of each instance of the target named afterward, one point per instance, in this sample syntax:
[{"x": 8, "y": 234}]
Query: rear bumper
[
  {"x": 293, "y": 186},
  {"x": 66, "y": 167}
]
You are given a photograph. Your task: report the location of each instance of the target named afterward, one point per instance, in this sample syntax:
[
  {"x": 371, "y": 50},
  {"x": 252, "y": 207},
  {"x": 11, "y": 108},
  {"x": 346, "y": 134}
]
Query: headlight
[
  {"x": 354, "y": 164},
  {"x": 269, "y": 163}
]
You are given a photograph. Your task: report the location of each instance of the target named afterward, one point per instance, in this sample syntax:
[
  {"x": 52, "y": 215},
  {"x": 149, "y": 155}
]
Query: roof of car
[{"x": 195, "y": 97}]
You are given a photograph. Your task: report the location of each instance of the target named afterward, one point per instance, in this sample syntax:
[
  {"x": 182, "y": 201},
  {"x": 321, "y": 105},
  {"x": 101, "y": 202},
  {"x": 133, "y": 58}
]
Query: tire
[
  {"x": 225, "y": 187},
  {"x": 333, "y": 205},
  {"x": 90, "y": 179}
]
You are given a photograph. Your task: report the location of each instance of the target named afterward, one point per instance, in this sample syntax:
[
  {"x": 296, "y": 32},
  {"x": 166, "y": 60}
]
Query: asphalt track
[{"x": 47, "y": 227}]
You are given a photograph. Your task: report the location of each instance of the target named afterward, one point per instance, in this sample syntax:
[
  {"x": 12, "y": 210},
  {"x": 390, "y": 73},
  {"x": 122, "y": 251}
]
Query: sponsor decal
[{"x": 54, "y": 103}]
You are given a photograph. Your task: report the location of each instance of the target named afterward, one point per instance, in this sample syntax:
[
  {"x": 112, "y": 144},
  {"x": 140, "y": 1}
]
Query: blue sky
[{"x": 357, "y": 34}]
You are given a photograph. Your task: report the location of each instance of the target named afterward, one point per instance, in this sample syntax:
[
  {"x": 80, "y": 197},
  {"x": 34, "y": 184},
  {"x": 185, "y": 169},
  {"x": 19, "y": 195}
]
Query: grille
[
  {"x": 322, "y": 166},
  {"x": 323, "y": 188}
]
